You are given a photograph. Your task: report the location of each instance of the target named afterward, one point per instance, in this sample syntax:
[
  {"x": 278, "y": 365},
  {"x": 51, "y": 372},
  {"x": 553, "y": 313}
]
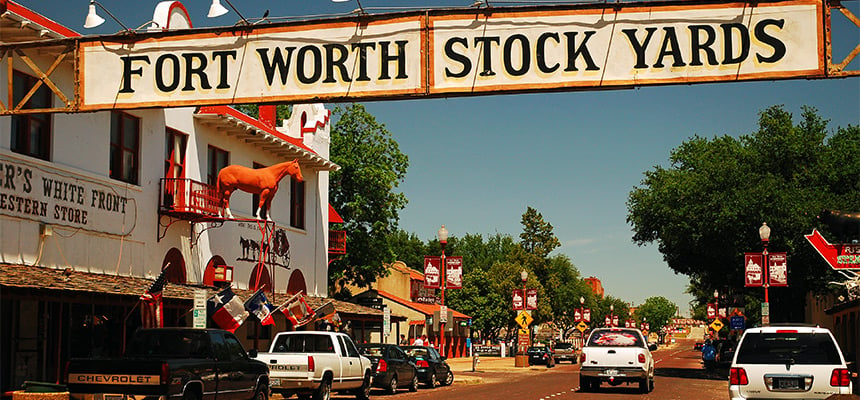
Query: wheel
[
  {"x": 434, "y": 381},
  {"x": 449, "y": 378},
  {"x": 190, "y": 395},
  {"x": 643, "y": 385},
  {"x": 650, "y": 384},
  {"x": 584, "y": 384},
  {"x": 324, "y": 391},
  {"x": 261, "y": 394},
  {"x": 392, "y": 385},
  {"x": 363, "y": 392},
  {"x": 413, "y": 386}
]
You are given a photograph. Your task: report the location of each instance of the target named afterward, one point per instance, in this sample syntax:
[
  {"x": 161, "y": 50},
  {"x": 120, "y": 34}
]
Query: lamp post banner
[
  {"x": 431, "y": 271},
  {"x": 752, "y": 270},
  {"x": 778, "y": 269},
  {"x": 712, "y": 311},
  {"x": 531, "y": 299},
  {"x": 586, "y": 314},
  {"x": 454, "y": 272},
  {"x": 518, "y": 299}
]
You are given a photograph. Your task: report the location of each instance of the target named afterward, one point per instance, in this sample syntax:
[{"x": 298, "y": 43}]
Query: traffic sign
[
  {"x": 736, "y": 323},
  {"x": 581, "y": 326},
  {"x": 717, "y": 325},
  {"x": 524, "y": 319}
]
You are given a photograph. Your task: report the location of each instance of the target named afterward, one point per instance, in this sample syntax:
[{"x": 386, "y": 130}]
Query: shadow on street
[{"x": 719, "y": 374}]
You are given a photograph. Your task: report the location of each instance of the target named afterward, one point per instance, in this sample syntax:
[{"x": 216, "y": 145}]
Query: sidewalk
[{"x": 488, "y": 366}]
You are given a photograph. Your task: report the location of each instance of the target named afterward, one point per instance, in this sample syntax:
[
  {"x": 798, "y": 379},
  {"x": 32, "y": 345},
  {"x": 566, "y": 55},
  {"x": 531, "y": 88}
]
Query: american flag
[{"x": 151, "y": 308}]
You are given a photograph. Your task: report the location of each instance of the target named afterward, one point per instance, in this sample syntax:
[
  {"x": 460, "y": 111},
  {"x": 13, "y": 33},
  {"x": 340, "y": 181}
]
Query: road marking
[{"x": 657, "y": 361}]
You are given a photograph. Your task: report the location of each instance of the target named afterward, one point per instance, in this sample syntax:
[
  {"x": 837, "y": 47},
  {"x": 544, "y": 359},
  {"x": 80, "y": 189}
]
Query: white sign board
[
  {"x": 199, "y": 308},
  {"x": 386, "y": 321}
]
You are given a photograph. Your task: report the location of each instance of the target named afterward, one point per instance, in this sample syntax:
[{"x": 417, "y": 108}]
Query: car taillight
[
  {"x": 311, "y": 366},
  {"x": 165, "y": 374},
  {"x": 840, "y": 377},
  {"x": 581, "y": 358},
  {"x": 738, "y": 376},
  {"x": 422, "y": 364},
  {"x": 641, "y": 358},
  {"x": 382, "y": 366}
]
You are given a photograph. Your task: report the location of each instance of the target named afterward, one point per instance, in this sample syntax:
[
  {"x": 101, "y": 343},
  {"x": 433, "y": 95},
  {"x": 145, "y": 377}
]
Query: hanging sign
[
  {"x": 454, "y": 272},
  {"x": 518, "y": 299},
  {"x": 432, "y": 270},
  {"x": 712, "y": 311},
  {"x": 753, "y": 270},
  {"x": 777, "y": 269},
  {"x": 531, "y": 299},
  {"x": 838, "y": 256},
  {"x": 586, "y": 314}
]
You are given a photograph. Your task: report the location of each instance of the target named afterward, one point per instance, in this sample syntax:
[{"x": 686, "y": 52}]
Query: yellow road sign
[
  {"x": 523, "y": 331},
  {"x": 717, "y": 325},
  {"x": 524, "y": 319},
  {"x": 581, "y": 326}
]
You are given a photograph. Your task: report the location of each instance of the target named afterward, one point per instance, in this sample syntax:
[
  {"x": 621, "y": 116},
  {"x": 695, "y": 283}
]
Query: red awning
[{"x": 333, "y": 216}]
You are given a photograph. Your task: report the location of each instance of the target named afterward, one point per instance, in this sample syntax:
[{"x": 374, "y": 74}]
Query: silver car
[{"x": 788, "y": 362}]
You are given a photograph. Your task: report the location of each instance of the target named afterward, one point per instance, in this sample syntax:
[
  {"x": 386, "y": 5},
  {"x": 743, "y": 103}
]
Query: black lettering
[
  {"x": 277, "y": 61},
  {"x": 385, "y": 59},
  {"x": 581, "y": 50},
  {"x": 362, "y": 59},
  {"x": 338, "y": 62},
  {"x": 127, "y": 72},
  {"x": 777, "y": 45},
  {"x": 221, "y": 57},
  {"x": 159, "y": 73},
  {"x": 487, "y": 53},
  {"x": 670, "y": 47},
  {"x": 540, "y": 49},
  {"x": 728, "y": 43},
  {"x": 28, "y": 176},
  {"x": 525, "y": 50},
  {"x": 199, "y": 70},
  {"x": 453, "y": 55},
  {"x": 697, "y": 45},
  {"x": 638, "y": 47},
  {"x": 317, "y": 64}
]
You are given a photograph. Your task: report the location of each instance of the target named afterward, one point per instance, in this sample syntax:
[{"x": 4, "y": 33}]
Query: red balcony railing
[
  {"x": 336, "y": 242},
  {"x": 188, "y": 199}
]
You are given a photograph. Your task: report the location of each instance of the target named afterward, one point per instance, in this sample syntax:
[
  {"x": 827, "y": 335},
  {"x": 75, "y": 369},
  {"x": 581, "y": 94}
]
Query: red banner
[
  {"x": 454, "y": 272},
  {"x": 577, "y": 315},
  {"x": 838, "y": 256},
  {"x": 586, "y": 314},
  {"x": 777, "y": 266},
  {"x": 432, "y": 271},
  {"x": 518, "y": 299},
  {"x": 614, "y": 320},
  {"x": 531, "y": 299},
  {"x": 712, "y": 311},
  {"x": 753, "y": 276}
]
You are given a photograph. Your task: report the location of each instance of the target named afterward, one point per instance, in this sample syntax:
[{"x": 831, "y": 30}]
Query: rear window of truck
[
  {"x": 788, "y": 347},
  {"x": 304, "y": 343},
  {"x": 615, "y": 338}
]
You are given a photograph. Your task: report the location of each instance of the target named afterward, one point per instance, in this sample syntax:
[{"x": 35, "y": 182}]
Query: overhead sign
[
  {"x": 838, "y": 256},
  {"x": 753, "y": 272},
  {"x": 455, "y": 52}
]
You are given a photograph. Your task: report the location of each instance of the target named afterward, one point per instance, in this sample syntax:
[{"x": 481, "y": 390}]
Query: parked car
[
  {"x": 565, "y": 352},
  {"x": 725, "y": 352},
  {"x": 788, "y": 362},
  {"x": 433, "y": 370},
  {"x": 541, "y": 355},
  {"x": 698, "y": 346},
  {"x": 392, "y": 367}
]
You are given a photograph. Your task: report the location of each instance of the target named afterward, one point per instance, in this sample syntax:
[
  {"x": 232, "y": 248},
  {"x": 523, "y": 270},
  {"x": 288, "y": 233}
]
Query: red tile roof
[{"x": 426, "y": 309}]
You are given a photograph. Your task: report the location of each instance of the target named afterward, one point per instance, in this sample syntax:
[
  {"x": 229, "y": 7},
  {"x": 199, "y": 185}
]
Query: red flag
[
  {"x": 151, "y": 307},
  {"x": 298, "y": 312},
  {"x": 227, "y": 310}
]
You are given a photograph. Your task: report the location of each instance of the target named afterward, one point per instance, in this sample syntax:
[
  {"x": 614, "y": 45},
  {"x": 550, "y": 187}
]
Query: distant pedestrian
[
  {"x": 418, "y": 342},
  {"x": 403, "y": 340},
  {"x": 709, "y": 355}
]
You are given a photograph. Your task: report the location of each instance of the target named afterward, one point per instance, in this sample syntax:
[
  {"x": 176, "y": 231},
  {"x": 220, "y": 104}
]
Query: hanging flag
[
  {"x": 227, "y": 310},
  {"x": 260, "y": 306},
  {"x": 151, "y": 307},
  {"x": 297, "y": 311}
]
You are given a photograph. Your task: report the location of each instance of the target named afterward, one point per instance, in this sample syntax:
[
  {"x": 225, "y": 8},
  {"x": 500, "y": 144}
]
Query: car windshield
[
  {"x": 615, "y": 338},
  {"x": 418, "y": 352},
  {"x": 788, "y": 347},
  {"x": 535, "y": 349},
  {"x": 158, "y": 343},
  {"x": 371, "y": 351}
]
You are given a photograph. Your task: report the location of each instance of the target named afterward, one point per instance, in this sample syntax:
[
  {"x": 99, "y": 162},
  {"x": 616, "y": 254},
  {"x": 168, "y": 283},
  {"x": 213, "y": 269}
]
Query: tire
[
  {"x": 650, "y": 384},
  {"x": 584, "y": 384},
  {"x": 449, "y": 378},
  {"x": 363, "y": 392},
  {"x": 261, "y": 394},
  {"x": 324, "y": 391},
  {"x": 392, "y": 385},
  {"x": 190, "y": 395},
  {"x": 643, "y": 385},
  {"x": 413, "y": 386},
  {"x": 434, "y": 381}
]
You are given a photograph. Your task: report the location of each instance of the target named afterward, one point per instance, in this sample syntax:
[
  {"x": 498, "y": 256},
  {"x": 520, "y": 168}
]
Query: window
[
  {"x": 174, "y": 151},
  {"x": 297, "y": 204},
  {"x": 124, "y": 147},
  {"x": 217, "y": 159},
  {"x": 615, "y": 338},
  {"x": 783, "y": 347},
  {"x": 255, "y": 198},
  {"x": 31, "y": 133}
]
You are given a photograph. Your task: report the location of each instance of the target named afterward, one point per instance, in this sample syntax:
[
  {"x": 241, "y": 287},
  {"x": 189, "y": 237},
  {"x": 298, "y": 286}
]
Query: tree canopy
[{"x": 704, "y": 210}]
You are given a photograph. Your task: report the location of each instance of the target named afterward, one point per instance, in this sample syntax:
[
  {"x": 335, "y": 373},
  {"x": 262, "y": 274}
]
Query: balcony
[
  {"x": 336, "y": 242},
  {"x": 190, "y": 200}
]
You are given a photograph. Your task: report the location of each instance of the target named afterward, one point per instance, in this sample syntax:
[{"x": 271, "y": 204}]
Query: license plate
[
  {"x": 611, "y": 372},
  {"x": 274, "y": 382},
  {"x": 787, "y": 383},
  {"x": 113, "y": 397}
]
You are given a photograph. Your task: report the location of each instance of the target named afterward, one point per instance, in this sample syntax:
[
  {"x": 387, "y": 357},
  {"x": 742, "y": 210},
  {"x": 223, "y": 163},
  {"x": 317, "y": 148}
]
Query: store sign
[
  {"x": 753, "y": 272},
  {"x": 44, "y": 193},
  {"x": 777, "y": 265},
  {"x": 432, "y": 272},
  {"x": 455, "y": 52},
  {"x": 838, "y": 256}
]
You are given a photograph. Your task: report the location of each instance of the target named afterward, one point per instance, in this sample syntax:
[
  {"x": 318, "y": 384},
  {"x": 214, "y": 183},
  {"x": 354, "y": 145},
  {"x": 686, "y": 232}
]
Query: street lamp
[
  {"x": 764, "y": 234},
  {"x": 716, "y": 304},
  {"x": 524, "y": 276},
  {"x": 443, "y": 240}
]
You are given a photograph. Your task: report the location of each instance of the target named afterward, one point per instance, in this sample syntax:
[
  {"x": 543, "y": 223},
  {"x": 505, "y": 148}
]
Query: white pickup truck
[
  {"x": 616, "y": 356},
  {"x": 316, "y": 363}
]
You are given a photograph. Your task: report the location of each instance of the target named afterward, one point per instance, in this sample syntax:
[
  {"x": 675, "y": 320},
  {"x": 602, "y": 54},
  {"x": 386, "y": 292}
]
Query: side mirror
[
  {"x": 252, "y": 353},
  {"x": 652, "y": 346}
]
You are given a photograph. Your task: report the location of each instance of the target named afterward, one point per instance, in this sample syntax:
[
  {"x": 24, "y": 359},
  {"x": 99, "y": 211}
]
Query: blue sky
[{"x": 476, "y": 163}]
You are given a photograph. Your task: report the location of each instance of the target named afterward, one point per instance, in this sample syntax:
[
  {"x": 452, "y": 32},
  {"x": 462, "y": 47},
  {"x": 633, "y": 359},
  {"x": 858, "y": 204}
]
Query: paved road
[{"x": 679, "y": 376}]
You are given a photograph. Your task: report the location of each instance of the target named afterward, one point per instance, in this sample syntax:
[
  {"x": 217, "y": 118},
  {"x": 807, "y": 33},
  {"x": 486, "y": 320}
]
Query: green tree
[
  {"x": 564, "y": 289},
  {"x": 537, "y": 237},
  {"x": 407, "y": 247},
  {"x": 704, "y": 210},
  {"x": 363, "y": 192},
  {"x": 657, "y": 311}
]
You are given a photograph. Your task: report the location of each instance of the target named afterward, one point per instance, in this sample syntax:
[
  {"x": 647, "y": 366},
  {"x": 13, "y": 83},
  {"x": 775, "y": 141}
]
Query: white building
[{"x": 94, "y": 205}]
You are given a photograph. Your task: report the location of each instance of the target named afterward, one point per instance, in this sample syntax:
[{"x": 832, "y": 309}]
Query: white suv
[{"x": 788, "y": 362}]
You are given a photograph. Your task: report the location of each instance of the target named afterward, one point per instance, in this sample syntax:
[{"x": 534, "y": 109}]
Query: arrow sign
[{"x": 839, "y": 256}]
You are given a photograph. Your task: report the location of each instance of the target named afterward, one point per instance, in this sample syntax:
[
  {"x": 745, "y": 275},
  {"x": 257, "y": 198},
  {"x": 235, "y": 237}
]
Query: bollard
[{"x": 475, "y": 362}]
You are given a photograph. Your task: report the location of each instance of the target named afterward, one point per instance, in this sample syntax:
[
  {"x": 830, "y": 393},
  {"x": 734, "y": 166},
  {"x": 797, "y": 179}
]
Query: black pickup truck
[{"x": 172, "y": 363}]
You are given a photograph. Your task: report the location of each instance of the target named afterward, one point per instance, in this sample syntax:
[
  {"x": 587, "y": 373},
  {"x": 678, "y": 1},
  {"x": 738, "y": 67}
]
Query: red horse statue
[{"x": 263, "y": 181}]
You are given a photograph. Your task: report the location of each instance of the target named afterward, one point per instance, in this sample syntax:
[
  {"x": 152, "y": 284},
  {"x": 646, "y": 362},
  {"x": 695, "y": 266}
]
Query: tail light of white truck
[
  {"x": 311, "y": 365},
  {"x": 840, "y": 377},
  {"x": 738, "y": 376},
  {"x": 582, "y": 358},
  {"x": 641, "y": 358}
]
